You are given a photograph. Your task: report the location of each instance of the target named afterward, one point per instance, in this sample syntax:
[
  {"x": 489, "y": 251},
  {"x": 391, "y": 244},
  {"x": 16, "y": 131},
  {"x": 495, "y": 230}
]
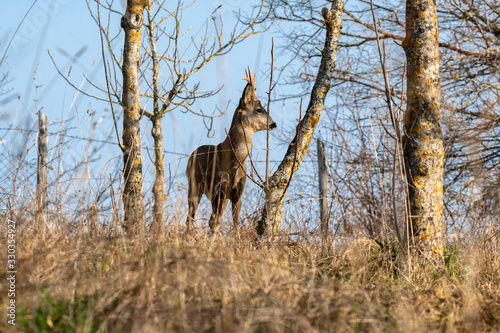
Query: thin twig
[
  {"x": 76, "y": 88},
  {"x": 395, "y": 124},
  {"x": 381, "y": 52},
  {"x": 271, "y": 87},
  {"x": 122, "y": 147},
  {"x": 254, "y": 169},
  {"x": 152, "y": 45},
  {"x": 15, "y": 32},
  {"x": 441, "y": 44},
  {"x": 240, "y": 163}
]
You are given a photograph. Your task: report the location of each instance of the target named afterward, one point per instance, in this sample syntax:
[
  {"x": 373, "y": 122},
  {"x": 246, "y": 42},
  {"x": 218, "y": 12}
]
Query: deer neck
[{"x": 239, "y": 140}]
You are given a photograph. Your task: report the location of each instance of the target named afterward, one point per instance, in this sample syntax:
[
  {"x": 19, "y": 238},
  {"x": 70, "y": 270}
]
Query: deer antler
[{"x": 249, "y": 78}]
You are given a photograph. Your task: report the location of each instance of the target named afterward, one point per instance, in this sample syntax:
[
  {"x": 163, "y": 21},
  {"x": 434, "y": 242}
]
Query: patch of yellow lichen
[{"x": 138, "y": 178}]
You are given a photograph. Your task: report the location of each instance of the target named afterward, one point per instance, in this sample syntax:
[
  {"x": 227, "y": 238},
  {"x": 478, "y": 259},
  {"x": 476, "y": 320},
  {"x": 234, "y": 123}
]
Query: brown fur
[{"x": 219, "y": 171}]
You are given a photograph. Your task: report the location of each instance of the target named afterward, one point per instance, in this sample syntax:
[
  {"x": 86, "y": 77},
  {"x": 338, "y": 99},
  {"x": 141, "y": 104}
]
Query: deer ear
[{"x": 248, "y": 94}]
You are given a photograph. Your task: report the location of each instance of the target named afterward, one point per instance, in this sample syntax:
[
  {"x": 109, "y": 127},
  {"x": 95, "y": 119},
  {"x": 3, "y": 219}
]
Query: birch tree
[
  {"x": 132, "y": 23},
  {"x": 277, "y": 185},
  {"x": 423, "y": 139}
]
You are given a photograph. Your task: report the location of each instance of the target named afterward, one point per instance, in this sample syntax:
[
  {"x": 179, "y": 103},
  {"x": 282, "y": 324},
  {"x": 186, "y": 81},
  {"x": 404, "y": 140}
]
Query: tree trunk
[
  {"x": 156, "y": 132},
  {"x": 278, "y": 183},
  {"x": 158, "y": 186},
  {"x": 132, "y": 23},
  {"x": 423, "y": 140}
]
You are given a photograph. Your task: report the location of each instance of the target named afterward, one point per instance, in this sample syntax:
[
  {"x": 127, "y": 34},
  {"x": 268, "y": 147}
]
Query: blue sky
[{"x": 66, "y": 29}]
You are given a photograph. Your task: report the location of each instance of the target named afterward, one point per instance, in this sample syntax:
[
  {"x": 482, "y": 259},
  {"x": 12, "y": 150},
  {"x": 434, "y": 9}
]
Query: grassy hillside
[{"x": 77, "y": 283}]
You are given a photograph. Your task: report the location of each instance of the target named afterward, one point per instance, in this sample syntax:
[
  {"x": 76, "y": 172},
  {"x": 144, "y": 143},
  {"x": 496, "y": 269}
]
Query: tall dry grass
[{"x": 70, "y": 281}]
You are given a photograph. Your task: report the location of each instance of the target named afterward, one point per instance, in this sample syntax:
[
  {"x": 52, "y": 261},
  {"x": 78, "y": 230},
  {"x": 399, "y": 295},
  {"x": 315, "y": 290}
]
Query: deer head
[{"x": 250, "y": 113}]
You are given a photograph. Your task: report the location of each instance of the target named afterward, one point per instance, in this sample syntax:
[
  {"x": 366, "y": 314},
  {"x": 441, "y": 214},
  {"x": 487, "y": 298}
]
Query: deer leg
[
  {"x": 219, "y": 201},
  {"x": 194, "y": 197},
  {"x": 236, "y": 209},
  {"x": 236, "y": 196},
  {"x": 218, "y": 206}
]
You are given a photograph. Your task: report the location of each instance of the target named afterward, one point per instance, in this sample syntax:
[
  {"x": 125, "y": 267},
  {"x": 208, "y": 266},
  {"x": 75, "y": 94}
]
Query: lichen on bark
[
  {"x": 278, "y": 183},
  {"x": 423, "y": 140},
  {"x": 132, "y": 22}
]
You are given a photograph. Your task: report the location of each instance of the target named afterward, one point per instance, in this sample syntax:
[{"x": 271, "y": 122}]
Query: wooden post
[
  {"x": 41, "y": 172},
  {"x": 324, "y": 212}
]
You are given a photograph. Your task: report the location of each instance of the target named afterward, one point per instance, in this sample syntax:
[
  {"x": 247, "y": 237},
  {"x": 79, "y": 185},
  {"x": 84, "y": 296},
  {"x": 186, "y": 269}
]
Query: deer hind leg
[
  {"x": 194, "y": 197},
  {"x": 219, "y": 201},
  {"x": 218, "y": 206},
  {"x": 236, "y": 209},
  {"x": 236, "y": 196}
]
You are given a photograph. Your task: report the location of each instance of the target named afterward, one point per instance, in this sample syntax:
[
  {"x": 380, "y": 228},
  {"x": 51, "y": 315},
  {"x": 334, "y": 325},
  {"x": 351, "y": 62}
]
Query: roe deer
[{"x": 219, "y": 171}]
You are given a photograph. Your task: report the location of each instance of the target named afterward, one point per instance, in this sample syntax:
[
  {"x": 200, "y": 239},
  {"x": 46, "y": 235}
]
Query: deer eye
[{"x": 259, "y": 110}]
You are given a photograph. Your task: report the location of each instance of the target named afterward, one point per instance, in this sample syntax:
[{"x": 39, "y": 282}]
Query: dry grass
[{"x": 71, "y": 282}]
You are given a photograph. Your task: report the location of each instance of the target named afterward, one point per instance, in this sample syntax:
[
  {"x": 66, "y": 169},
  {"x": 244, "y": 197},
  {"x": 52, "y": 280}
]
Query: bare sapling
[{"x": 219, "y": 171}]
